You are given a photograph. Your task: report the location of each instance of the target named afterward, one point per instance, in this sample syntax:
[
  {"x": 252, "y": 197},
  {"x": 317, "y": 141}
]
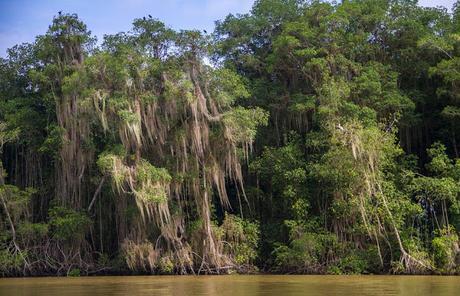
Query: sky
[{"x": 22, "y": 20}]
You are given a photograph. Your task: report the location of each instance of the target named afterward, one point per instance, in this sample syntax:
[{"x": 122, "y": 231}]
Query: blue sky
[{"x": 22, "y": 20}]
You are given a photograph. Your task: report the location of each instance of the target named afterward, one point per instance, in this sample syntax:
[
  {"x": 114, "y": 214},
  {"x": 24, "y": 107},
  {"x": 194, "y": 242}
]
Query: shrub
[
  {"x": 350, "y": 264},
  {"x": 300, "y": 256},
  {"x": 445, "y": 249},
  {"x": 32, "y": 231},
  {"x": 75, "y": 272},
  {"x": 67, "y": 224},
  {"x": 9, "y": 262},
  {"x": 165, "y": 265},
  {"x": 243, "y": 238}
]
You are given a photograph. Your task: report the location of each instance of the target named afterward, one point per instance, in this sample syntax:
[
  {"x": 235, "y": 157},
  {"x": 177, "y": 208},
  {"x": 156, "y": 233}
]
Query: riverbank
[{"x": 108, "y": 272}]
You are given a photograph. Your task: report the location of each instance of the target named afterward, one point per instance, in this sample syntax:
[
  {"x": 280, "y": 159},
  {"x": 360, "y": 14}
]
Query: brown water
[{"x": 270, "y": 285}]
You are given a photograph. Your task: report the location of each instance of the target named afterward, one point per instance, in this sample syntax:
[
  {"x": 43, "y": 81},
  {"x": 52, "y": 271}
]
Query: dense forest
[{"x": 302, "y": 137}]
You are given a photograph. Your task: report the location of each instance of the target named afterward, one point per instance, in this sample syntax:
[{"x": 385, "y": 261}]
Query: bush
[
  {"x": 350, "y": 264},
  {"x": 243, "y": 238},
  {"x": 32, "y": 231},
  {"x": 9, "y": 262},
  {"x": 301, "y": 256},
  {"x": 307, "y": 252},
  {"x": 67, "y": 224},
  {"x": 445, "y": 249},
  {"x": 74, "y": 272},
  {"x": 318, "y": 252},
  {"x": 165, "y": 265},
  {"x": 140, "y": 257}
]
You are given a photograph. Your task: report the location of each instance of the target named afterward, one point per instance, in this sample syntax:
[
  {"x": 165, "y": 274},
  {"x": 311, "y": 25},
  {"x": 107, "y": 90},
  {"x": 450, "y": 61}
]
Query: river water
[{"x": 233, "y": 285}]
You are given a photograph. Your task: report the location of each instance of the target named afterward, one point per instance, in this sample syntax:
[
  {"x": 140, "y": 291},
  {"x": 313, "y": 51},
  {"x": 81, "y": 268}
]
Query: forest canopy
[{"x": 301, "y": 137}]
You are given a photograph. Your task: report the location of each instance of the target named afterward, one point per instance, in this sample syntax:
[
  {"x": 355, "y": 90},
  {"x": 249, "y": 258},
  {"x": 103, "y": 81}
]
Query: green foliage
[
  {"x": 306, "y": 252},
  {"x": 53, "y": 141},
  {"x": 166, "y": 266},
  {"x": 445, "y": 250},
  {"x": 227, "y": 87},
  {"x": 436, "y": 189},
  {"x": 376, "y": 87},
  {"x": 128, "y": 116},
  {"x": 310, "y": 252},
  {"x": 283, "y": 169},
  {"x": 242, "y": 123},
  {"x": 72, "y": 83},
  {"x": 153, "y": 182},
  {"x": 68, "y": 225},
  {"x": 75, "y": 272},
  {"x": 148, "y": 172},
  {"x": 9, "y": 262},
  {"x": 350, "y": 264},
  {"x": 440, "y": 163},
  {"x": 106, "y": 158},
  {"x": 16, "y": 200},
  {"x": 33, "y": 231},
  {"x": 242, "y": 237}
]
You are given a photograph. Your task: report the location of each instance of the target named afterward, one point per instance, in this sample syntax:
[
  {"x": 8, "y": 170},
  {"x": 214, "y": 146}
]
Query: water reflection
[{"x": 268, "y": 285}]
